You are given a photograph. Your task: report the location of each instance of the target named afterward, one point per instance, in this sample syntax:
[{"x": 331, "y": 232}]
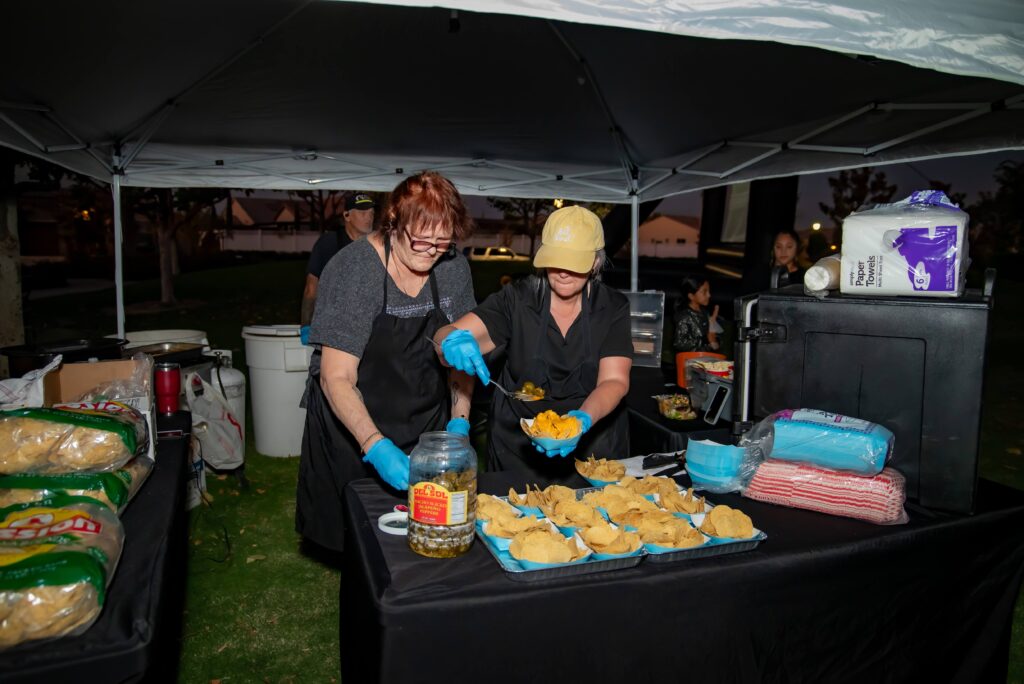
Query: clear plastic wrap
[
  {"x": 57, "y": 557},
  {"x": 114, "y": 489},
  {"x": 917, "y": 246},
  {"x": 878, "y": 499},
  {"x": 126, "y": 388},
  {"x": 825, "y": 439},
  {"x": 674, "y": 406},
  {"x": 51, "y": 440},
  {"x": 721, "y": 468}
]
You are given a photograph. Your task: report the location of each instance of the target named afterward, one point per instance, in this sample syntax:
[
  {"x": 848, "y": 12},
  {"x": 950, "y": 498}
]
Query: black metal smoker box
[{"x": 914, "y": 365}]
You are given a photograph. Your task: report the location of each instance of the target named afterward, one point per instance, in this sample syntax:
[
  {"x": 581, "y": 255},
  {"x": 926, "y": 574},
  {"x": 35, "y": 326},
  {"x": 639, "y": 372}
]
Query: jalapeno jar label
[{"x": 434, "y": 504}]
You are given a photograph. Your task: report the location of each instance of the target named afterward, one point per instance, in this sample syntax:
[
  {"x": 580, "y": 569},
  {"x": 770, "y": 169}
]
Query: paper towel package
[{"x": 916, "y": 247}]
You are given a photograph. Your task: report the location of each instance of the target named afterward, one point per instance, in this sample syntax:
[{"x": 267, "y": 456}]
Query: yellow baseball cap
[{"x": 571, "y": 238}]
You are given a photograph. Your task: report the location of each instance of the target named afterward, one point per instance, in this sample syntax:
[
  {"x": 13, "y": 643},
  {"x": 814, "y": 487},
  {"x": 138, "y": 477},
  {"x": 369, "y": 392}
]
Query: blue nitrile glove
[
  {"x": 391, "y": 463},
  {"x": 564, "y": 448},
  {"x": 463, "y": 353},
  {"x": 585, "y": 420},
  {"x": 458, "y": 425},
  {"x": 304, "y": 334}
]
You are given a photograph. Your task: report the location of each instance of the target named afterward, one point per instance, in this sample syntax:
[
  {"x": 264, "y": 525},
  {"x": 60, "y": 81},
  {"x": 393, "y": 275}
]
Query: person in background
[
  {"x": 358, "y": 217},
  {"x": 785, "y": 255},
  {"x": 695, "y": 330},
  {"x": 565, "y": 332},
  {"x": 374, "y": 381}
]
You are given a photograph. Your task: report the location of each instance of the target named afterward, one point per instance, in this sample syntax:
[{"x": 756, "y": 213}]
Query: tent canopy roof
[{"x": 573, "y": 98}]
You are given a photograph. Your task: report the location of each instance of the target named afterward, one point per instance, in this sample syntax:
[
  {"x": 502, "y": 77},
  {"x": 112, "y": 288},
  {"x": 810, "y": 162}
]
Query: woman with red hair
[{"x": 375, "y": 384}]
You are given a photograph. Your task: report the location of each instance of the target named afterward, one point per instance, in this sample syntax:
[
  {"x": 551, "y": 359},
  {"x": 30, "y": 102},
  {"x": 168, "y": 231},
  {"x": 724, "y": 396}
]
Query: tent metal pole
[
  {"x": 634, "y": 236},
  {"x": 928, "y": 129},
  {"x": 23, "y": 133},
  {"x": 115, "y": 188}
]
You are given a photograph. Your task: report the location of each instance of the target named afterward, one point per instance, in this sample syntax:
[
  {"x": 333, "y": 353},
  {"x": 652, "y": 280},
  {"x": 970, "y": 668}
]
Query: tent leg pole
[
  {"x": 115, "y": 189},
  {"x": 634, "y": 237}
]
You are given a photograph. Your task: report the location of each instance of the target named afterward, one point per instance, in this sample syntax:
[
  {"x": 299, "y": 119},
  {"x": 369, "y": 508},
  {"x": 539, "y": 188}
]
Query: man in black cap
[{"x": 358, "y": 217}]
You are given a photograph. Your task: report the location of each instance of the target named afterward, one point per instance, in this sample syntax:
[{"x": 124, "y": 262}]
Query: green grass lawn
[{"x": 258, "y": 609}]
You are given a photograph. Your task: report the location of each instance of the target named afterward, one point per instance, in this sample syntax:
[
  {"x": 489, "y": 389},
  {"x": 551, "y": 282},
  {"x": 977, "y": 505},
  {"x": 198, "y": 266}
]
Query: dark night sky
[{"x": 970, "y": 174}]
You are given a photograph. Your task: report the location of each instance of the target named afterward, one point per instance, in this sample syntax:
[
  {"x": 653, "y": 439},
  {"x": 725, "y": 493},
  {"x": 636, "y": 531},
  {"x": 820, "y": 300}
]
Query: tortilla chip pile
[
  {"x": 550, "y": 424},
  {"x": 487, "y": 507},
  {"x": 572, "y": 513},
  {"x": 618, "y": 502},
  {"x": 664, "y": 529},
  {"x": 603, "y": 538},
  {"x": 603, "y": 469},
  {"x": 678, "y": 503},
  {"x": 723, "y": 521},
  {"x": 545, "y": 546},
  {"x": 649, "y": 485},
  {"x": 536, "y": 498},
  {"x": 507, "y": 525}
]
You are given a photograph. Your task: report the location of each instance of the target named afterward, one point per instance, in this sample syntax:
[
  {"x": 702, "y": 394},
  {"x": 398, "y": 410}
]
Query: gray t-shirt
[{"x": 351, "y": 294}]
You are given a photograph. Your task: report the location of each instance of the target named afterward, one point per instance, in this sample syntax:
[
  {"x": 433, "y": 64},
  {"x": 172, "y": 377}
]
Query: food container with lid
[{"x": 442, "y": 495}]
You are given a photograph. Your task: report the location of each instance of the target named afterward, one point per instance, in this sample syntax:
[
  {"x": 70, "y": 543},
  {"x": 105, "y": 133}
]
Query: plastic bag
[
  {"x": 195, "y": 485},
  {"x": 917, "y": 246},
  {"x": 114, "y": 490},
  {"x": 218, "y": 431},
  {"x": 26, "y": 391},
  {"x": 721, "y": 468},
  {"x": 53, "y": 440},
  {"x": 878, "y": 499},
  {"x": 821, "y": 438},
  {"x": 136, "y": 386},
  {"x": 59, "y": 555}
]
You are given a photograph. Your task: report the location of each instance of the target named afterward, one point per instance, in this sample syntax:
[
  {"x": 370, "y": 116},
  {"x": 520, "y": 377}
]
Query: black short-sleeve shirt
[
  {"x": 520, "y": 304},
  {"x": 326, "y": 246}
]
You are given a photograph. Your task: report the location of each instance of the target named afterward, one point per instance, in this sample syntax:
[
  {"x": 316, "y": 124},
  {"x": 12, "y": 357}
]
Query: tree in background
[
  {"x": 997, "y": 218},
  {"x": 853, "y": 188},
  {"x": 171, "y": 209},
  {"x": 322, "y": 206},
  {"x": 529, "y": 214}
]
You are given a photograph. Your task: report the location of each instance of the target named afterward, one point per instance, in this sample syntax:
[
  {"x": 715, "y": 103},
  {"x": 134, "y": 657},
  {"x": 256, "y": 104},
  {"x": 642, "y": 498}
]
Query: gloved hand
[
  {"x": 391, "y": 463},
  {"x": 458, "y": 425},
  {"x": 304, "y": 334},
  {"x": 566, "y": 448},
  {"x": 585, "y": 420},
  {"x": 463, "y": 353}
]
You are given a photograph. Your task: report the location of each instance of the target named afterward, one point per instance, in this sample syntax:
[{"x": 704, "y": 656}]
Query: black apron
[
  {"x": 528, "y": 359},
  {"x": 404, "y": 389}
]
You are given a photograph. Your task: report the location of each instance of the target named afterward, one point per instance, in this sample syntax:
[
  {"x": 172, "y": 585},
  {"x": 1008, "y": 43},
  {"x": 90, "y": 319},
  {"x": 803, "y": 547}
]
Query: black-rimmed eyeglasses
[{"x": 442, "y": 246}]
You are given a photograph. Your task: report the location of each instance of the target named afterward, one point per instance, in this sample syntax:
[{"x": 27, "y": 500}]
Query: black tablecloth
[
  {"x": 138, "y": 628},
  {"x": 822, "y": 599},
  {"x": 649, "y": 431}
]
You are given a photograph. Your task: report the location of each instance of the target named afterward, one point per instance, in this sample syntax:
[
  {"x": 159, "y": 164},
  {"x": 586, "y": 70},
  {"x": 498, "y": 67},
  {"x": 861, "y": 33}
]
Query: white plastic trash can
[{"x": 278, "y": 365}]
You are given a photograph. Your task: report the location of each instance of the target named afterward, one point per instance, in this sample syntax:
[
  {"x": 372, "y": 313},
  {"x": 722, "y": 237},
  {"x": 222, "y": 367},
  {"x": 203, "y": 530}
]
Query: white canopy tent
[{"x": 614, "y": 100}]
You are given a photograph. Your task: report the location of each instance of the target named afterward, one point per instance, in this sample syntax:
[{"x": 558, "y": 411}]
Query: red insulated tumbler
[{"x": 167, "y": 385}]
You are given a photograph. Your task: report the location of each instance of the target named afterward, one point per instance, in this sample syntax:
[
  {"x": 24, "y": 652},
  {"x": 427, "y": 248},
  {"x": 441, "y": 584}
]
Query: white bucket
[
  {"x": 142, "y": 338},
  {"x": 278, "y": 365}
]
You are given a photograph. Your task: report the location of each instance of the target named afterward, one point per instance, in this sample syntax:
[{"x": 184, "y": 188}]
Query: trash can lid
[{"x": 286, "y": 330}]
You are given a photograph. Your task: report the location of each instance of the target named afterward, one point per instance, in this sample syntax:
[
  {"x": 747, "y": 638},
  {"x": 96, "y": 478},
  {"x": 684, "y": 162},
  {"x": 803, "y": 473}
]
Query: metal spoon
[{"x": 511, "y": 395}]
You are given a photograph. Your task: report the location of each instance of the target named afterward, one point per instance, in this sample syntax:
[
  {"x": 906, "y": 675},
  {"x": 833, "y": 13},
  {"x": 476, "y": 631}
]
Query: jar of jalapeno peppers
[{"x": 442, "y": 495}]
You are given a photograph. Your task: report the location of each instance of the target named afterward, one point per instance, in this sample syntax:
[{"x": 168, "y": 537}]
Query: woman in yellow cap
[{"x": 568, "y": 334}]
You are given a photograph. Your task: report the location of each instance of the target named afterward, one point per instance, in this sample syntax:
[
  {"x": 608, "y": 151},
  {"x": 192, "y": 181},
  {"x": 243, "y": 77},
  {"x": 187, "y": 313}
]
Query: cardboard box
[{"x": 65, "y": 385}]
